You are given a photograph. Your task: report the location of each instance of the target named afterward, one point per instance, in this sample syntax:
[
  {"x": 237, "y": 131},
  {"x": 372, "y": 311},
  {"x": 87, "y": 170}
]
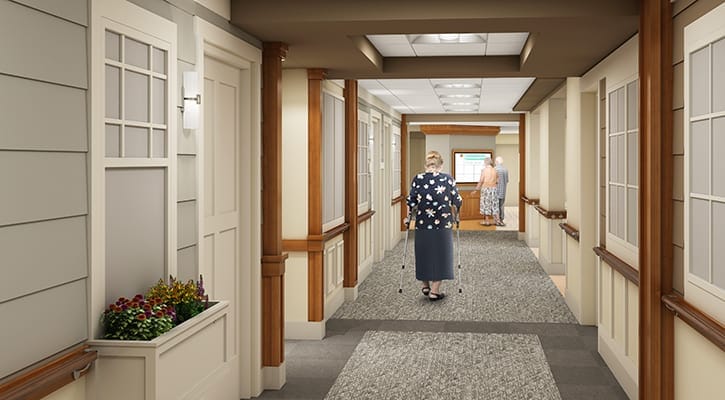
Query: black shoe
[
  {"x": 425, "y": 290},
  {"x": 438, "y": 296}
]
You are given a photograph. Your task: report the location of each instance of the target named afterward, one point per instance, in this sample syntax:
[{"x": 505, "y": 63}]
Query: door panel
[{"x": 221, "y": 186}]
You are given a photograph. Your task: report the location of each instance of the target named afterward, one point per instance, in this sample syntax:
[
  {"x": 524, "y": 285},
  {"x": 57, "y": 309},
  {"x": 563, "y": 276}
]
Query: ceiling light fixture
[
  {"x": 458, "y": 96},
  {"x": 462, "y": 103},
  {"x": 461, "y": 109},
  {"x": 457, "y": 86},
  {"x": 449, "y": 37}
]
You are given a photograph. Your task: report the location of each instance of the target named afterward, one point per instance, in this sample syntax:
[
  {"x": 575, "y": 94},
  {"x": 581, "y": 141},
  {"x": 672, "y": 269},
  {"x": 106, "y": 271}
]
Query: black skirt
[{"x": 433, "y": 254}]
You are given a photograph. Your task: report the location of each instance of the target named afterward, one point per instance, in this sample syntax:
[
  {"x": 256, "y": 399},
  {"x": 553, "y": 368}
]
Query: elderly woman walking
[
  {"x": 434, "y": 194},
  {"x": 489, "y": 196}
]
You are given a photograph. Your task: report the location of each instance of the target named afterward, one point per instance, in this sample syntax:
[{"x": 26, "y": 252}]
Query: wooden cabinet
[{"x": 471, "y": 202}]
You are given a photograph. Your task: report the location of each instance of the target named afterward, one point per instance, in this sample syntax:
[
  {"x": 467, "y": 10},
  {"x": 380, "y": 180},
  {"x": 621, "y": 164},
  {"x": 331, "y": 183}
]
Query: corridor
[{"x": 509, "y": 335}]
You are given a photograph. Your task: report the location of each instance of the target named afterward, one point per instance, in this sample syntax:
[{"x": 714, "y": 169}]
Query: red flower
[{"x": 141, "y": 317}]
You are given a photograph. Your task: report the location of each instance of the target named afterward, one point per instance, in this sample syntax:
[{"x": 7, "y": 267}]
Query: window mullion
[
  {"x": 151, "y": 100},
  {"x": 122, "y": 98}
]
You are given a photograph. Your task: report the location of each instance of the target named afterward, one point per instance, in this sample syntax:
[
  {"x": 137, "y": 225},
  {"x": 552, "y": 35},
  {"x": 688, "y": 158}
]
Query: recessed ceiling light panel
[
  {"x": 458, "y": 96},
  {"x": 449, "y": 44},
  {"x": 461, "y": 103},
  {"x": 457, "y": 86}
]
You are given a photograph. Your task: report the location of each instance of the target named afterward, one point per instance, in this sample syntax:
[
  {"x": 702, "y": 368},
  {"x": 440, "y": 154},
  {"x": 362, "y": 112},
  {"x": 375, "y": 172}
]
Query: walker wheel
[{"x": 400, "y": 290}]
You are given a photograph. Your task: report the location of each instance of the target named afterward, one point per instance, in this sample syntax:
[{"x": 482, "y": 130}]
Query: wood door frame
[{"x": 215, "y": 43}]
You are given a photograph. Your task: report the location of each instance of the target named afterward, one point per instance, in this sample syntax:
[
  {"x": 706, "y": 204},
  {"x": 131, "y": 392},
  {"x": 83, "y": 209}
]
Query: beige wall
[
  {"x": 550, "y": 174},
  {"x": 699, "y": 365},
  {"x": 445, "y": 144},
  {"x": 72, "y": 391},
  {"x": 581, "y": 174},
  {"x": 43, "y": 175},
  {"x": 416, "y": 155},
  {"x": 295, "y": 188},
  {"x": 294, "y": 154},
  {"x": 507, "y": 146},
  {"x": 617, "y": 298},
  {"x": 532, "y": 190}
]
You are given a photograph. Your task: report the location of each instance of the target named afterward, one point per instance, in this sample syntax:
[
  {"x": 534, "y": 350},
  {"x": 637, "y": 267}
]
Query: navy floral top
[{"x": 433, "y": 193}]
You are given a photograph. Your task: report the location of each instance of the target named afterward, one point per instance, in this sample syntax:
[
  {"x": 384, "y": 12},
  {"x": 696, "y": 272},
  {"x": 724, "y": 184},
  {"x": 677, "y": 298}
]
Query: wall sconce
[{"x": 191, "y": 100}]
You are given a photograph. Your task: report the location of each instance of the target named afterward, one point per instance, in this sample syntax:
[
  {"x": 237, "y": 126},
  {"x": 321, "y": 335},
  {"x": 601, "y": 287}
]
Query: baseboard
[
  {"x": 304, "y": 330},
  {"x": 351, "y": 293},
  {"x": 522, "y": 236},
  {"x": 551, "y": 268},
  {"x": 531, "y": 242},
  {"x": 273, "y": 378},
  {"x": 627, "y": 379}
]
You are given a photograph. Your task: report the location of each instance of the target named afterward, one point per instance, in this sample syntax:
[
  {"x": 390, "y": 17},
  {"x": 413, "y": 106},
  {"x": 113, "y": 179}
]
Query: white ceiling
[
  {"x": 434, "y": 96},
  {"x": 450, "y": 44}
]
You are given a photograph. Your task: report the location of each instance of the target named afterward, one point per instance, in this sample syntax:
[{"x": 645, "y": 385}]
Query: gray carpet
[
  {"x": 426, "y": 365},
  {"x": 502, "y": 282}
]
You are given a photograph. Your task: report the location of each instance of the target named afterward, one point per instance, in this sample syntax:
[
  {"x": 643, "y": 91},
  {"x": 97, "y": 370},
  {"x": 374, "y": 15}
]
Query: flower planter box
[{"x": 191, "y": 361}]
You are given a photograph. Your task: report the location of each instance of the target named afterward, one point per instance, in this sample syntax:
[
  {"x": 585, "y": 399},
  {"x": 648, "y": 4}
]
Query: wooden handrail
[
  {"x": 570, "y": 230},
  {"x": 627, "y": 271},
  {"x": 698, "y": 320},
  {"x": 46, "y": 377},
  {"x": 331, "y": 233},
  {"x": 550, "y": 214},
  {"x": 314, "y": 242},
  {"x": 396, "y": 200},
  {"x": 365, "y": 216},
  {"x": 531, "y": 202}
]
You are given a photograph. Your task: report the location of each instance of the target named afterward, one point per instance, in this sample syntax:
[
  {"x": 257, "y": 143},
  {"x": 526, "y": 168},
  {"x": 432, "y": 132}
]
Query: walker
[{"x": 458, "y": 247}]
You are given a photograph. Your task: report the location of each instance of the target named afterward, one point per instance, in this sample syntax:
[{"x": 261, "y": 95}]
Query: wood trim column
[
  {"x": 403, "y": 169},
  {"x": 315, "y": 272},
  {"x": 656, "y": 326},
  {"x": 522, "y": 172},
  {"x": 273, "y": 260},
  {"x": 350, "y": 238}
]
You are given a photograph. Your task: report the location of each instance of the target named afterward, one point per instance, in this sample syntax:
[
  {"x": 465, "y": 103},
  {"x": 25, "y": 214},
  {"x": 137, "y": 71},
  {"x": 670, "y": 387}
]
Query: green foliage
[
  {"x": 137, "y": 319},
  {"x": 187, "y": 299}
]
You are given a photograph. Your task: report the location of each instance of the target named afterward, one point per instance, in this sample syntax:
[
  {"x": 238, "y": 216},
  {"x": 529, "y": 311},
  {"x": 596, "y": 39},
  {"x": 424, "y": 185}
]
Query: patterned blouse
[{"x": 433, "y": 193}]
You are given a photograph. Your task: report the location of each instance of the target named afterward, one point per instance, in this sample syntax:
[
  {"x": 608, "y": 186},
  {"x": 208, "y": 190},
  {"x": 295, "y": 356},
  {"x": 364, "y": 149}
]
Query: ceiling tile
[{"x": 495, "y": 95}]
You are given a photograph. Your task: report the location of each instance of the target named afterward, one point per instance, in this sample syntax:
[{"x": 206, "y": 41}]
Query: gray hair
[
  {"x": 499, "y": 160},
  {"x": 487, "y": 161},
  {"x": 433, "y": 159}
]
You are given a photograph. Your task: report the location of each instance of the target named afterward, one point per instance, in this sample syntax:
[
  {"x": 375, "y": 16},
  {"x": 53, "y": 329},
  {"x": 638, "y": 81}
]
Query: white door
[{"x": 221, "y": 216}]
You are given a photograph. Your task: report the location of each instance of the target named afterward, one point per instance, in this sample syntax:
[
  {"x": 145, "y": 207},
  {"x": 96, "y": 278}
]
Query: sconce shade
[{"x": 192, "y": 100}]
